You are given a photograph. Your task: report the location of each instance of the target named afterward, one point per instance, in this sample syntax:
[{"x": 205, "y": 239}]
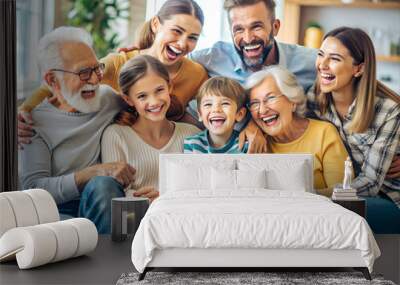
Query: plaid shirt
[{"x": 371, "y": 152}]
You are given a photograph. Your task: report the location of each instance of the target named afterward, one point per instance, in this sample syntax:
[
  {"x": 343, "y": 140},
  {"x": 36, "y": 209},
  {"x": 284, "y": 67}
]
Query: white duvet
[{"x": 250, "y": 219}]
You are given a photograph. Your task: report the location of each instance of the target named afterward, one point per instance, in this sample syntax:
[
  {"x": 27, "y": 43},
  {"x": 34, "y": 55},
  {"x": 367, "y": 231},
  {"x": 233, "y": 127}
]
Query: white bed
[{"x": 221, "y": 211}]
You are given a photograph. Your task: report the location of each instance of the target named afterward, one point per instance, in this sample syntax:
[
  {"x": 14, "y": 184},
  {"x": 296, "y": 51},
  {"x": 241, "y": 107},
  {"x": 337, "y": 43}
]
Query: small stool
[{"x": 126, "y": 214}]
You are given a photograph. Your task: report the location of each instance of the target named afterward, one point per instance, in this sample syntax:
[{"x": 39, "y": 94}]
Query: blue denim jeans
[{"x": 95, "y": 202}]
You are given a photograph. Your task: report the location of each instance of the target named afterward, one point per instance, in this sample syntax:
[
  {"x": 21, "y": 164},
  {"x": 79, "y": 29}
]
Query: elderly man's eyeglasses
[
  {"x": 254, "y": 105},
  {"x": 86, "y": 73}
]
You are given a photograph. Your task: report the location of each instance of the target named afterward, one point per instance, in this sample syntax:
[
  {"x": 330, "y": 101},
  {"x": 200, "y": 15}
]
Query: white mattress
[{"x": 255, "y": 218}]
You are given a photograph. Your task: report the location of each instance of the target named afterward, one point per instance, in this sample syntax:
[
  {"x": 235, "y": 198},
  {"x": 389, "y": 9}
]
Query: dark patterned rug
[{"x": 244, "y": 278}]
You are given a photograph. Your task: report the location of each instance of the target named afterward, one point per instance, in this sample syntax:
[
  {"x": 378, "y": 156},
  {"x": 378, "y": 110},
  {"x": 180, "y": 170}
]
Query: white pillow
[
  {"x": 293, "y": 179},
  {"x": 222, "y": 179},
  {"x": 280, "y": 174},
  {"x": 181, "y": 177},
  {"x": 251, "y": 178},
  {"x": 185, "y": 175}
]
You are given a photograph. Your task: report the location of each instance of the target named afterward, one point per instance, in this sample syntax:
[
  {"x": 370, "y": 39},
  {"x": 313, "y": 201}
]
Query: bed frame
[{"x": 242, "y": 259}]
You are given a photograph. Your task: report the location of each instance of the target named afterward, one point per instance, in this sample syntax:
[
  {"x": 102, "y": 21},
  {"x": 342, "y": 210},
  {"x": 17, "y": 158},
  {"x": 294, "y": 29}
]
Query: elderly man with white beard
[{"x": 64, "y": 156}]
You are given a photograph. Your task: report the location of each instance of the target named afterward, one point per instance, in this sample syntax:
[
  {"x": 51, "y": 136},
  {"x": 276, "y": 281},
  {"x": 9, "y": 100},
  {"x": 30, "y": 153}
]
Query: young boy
[{"x": 220, "y": 104}]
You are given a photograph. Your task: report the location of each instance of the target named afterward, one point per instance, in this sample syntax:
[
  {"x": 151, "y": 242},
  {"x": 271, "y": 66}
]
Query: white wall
[{"x": 137, "y": 17}]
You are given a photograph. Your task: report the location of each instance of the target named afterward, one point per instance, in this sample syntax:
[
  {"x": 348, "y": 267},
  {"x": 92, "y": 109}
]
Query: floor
[{"x": 102, "y": 266}]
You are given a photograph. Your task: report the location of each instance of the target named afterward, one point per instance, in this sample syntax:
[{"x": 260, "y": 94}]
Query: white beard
[{"x": 76, "y": 101}]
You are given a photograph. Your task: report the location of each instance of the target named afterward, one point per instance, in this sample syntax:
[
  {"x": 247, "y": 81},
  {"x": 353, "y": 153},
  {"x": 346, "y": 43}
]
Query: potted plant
[
  {"x": 313, "y": 35},
  {"x": 98, "y": 18}
]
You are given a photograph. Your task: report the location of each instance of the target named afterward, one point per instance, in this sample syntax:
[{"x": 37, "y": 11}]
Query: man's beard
[
  {"x": 75, "y": 99},
  {"x": 256, "y": 63}
]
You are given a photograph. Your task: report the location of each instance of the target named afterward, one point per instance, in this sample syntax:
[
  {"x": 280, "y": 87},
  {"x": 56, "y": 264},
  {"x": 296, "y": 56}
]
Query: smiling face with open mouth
[
  {"x": 150, "y": 97},
  {"x": 85, "y": 100},
  {"x": 219, "y": 114},
  {"x": 255, "y": 53},
  {"x": 253, "y": 31},
  {"x": 72, "y": 93},
  {"x": 275, "y": 113},
  {"x": 175, "y": 37},
  {"x": 335, "y": 66}
]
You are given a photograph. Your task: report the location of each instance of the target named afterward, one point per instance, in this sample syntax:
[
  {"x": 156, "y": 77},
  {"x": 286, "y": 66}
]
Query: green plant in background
[
  {"x": 98, "y": 18},
  {"x": 313, "y": 24},
  {"x": 313, "y": 35}
]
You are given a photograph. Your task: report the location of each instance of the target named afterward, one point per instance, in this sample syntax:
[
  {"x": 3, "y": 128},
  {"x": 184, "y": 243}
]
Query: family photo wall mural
[{"x": 241, "y": 129}]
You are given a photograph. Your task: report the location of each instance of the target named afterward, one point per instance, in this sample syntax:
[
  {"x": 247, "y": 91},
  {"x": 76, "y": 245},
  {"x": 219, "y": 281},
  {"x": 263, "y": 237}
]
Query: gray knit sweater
[{"x": 65, "y": 143}]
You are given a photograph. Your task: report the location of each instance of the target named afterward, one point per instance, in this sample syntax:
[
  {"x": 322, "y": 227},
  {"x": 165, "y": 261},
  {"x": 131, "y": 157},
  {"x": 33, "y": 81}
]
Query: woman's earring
[{"x": 294, "y": 108}]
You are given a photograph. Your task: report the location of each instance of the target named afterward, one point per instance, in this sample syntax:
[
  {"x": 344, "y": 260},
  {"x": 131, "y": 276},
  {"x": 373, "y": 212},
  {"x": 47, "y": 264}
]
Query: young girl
[
  {"x": 169, "y": 36},
  {"x": 142, "y": 131},
  {"x": 366, "y": 113}
]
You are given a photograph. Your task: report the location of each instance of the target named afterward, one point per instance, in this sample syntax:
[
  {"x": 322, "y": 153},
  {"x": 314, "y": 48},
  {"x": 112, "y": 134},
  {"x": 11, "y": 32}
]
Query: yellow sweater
[
  {"x": 323, "y": 140},
  {"x": 185, "y": 84}
]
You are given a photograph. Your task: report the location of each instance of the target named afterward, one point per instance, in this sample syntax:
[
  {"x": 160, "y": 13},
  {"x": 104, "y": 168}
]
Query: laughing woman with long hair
[{"x": 365, "y": 112}]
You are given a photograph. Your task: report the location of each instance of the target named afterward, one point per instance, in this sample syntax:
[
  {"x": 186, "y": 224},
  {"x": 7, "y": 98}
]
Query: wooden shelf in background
[
  {"x": 354, "y": 4},
  {"x": 289, "y": 32},
  {"x": 388, "y": 58}
]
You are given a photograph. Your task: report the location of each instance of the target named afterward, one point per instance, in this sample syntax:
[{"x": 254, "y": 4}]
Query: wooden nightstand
[{"x": 357, "y": 206}]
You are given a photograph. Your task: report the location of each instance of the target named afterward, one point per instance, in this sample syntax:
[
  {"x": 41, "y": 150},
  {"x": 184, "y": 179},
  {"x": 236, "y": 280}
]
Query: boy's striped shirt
[{"x": 199, "y": 143}]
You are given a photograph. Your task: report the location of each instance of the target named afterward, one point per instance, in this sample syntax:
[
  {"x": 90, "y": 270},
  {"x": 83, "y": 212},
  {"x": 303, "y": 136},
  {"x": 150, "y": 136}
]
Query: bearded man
[
  {"x": 64, "y": 155},
  {"x": 253, "y": 27}
]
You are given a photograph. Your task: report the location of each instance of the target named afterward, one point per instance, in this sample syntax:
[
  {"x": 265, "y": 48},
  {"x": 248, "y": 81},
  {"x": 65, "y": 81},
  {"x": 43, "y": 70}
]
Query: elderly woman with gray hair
[{"x": 277, "y": 104}]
